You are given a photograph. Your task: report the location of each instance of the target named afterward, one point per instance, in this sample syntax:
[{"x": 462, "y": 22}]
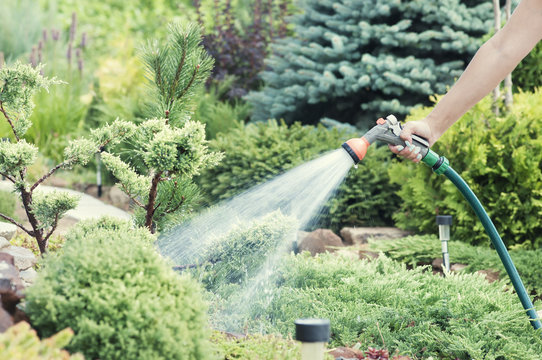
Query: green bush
[
  {"x": 20, "y": 342},
  {"x": 237, "y": 257},
  {"x": 259, "y": 347},
  {"x": 418, "y": 250},
  {"x": 501, "y": 160},
  {"x": 8, "y": 201},
  {"x": 122, "y": 300},
  {"x": 255, "y": 153},
  {"x": 352, "y": 60},
  {"x": 381, "y": 303},
  {"x": 528, "y": 74}
]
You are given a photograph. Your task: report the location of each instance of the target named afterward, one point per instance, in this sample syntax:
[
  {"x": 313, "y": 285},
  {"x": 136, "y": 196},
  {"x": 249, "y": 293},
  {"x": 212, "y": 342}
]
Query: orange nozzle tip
[{"x": 357, "y": 148}]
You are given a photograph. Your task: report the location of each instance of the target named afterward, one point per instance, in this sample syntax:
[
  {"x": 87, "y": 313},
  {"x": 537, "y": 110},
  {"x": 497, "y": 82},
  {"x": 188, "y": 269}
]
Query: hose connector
[{"x": 439, "y": 164}]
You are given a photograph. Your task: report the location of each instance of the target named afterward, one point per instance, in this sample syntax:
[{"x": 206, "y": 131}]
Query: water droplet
[{"x": 355, "y": 166}]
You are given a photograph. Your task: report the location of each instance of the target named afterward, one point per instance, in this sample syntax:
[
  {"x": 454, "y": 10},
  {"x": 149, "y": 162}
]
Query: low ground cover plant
[
  {"x": 122, "y": 300},
  {"x": 382, "y": 304},
  {"x": 421, "y": 250}
]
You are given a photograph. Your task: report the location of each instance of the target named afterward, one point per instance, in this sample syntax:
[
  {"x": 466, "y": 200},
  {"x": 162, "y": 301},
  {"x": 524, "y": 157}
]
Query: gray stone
[
  {"x": 457, "y": 267},
  {"x": 22, "y": 257},
  {"x": 4, "y": 243},
  {"x": 119, "y": 198},
  {"x": 7, "y": 230},
  {"x": 361, "y": 235},
  {"x": 28, "y": 275}
]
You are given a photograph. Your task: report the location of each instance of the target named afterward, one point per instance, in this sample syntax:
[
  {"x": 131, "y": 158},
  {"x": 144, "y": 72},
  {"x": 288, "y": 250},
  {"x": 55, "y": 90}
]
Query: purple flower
[
  {"x": 84, "y": 40},
  {"x": 55, "y": 34},
  {"x": 69, "y": 53},
  {"x": 44, "y": 35},
  {"x": 33, "y": 57},
  {"x": 79, "y": 60},
  {"x": 73, "y": 26}
]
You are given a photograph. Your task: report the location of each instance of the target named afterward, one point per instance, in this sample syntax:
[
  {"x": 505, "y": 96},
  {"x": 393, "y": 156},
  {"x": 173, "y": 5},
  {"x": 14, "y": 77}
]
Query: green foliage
[
  {"x": 18, "y": 84},
  {"x": 350, "y": 60},
  {"x": 528, "y": 74},
  {"x": 381, "y": 303},
  {"x": 416, "y": 250},
  {"x": 257, "y": 347},
  {"x": 499, "y": 157},
  {"x": 255, "y": 153},
  {"x": 20, "y": 342},
  {"x": 22, "y": 239},
  {"x": 7, "y": 204},
  {"x": 237, "y": 257},
  {"x": 166, "y": 151},
  {"x": 49, "y": 207},
  {"x": 120, "y": 297},
  {"x": 220, "y": 116}
]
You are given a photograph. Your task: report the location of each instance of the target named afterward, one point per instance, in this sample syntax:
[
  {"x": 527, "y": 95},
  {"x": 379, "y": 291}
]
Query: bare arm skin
[{"x": 489, "y": 66}]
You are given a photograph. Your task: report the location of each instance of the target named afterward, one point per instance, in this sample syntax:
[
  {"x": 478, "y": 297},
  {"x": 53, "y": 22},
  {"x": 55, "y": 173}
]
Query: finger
[
  {"x": 396, "y": 149},
  {"x": 406, "y": 133}
]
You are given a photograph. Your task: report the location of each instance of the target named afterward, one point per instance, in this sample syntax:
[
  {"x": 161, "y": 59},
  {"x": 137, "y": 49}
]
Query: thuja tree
[
  {"x": 353, "y": 59},
  {"x": 168, "y": 149},
  {"x": 18, "y": 84}
]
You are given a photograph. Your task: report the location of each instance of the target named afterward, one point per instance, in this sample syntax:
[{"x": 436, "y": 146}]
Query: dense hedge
[
  {"x": 257, "y": 152},
  {"x": 119, "y": 296},
  {"x": 421, "y": 315},
  {"x": 501, "y": 160},
  {"x": 8, "y": 201}
]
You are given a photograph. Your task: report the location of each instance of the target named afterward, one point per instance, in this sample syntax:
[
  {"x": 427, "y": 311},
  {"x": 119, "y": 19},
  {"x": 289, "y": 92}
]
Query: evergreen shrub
[
  {"x": 528, "y": 74},
  {"x": 380, "y": 303},
  {"x": 237, "y": 257},
  {"x": 122, "y": 300},
  {"x": 501, "y": 160},
  {"x": 422, "y": 249},
  {"x": 255, "y": 153},
  {"x": 357, "y": 59}
]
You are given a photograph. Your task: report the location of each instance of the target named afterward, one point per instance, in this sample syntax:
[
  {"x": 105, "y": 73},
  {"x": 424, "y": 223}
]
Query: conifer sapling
[{"x": 167, "y": 149}]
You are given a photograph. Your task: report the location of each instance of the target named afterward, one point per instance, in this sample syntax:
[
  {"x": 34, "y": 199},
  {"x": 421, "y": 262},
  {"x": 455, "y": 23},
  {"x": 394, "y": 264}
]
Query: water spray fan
[{"x": 388, "y": 131}]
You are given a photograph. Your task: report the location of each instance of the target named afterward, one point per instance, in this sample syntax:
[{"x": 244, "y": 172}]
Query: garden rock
[
  {"x": 346, "y": 353},
  {"x": 490, "y": 275},
  {"x": 4, "y": 243},
  {"x": 28, "y": 276},
  {"x": 23, "y": 258},
  {"x": 362, "y": 235},
  {"x": 319, "y": 241},
  {"x": 7, "y": 230},
  {"x": 11, "y": 289},
  {"x": 118, "y": 198},
  {"x": 457, "y": 267}
]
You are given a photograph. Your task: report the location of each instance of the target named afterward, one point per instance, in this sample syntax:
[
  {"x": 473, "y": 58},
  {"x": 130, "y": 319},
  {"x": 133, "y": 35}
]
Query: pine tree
[
  {"x": 353, "y": 60},
  {"x": 168, "y": 149},
  {"x": 18, "y": 84}
]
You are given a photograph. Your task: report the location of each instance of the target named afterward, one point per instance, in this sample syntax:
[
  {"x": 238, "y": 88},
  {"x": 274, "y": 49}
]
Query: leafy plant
[
  {"x": 499, "y": 157},
  {"x": 528, "y": 73},
  {"x": 382, "y": 304},
  {"x": 20, "y": 342},
  {"x": 353, "y": 60},
  {"x": 254, "y": 153},
  {"x": 18, "y": 84},
  {"x": 238, "y": 48},
  {"x": 120, "y": 297},
  {"x": 170, "y": 149}
]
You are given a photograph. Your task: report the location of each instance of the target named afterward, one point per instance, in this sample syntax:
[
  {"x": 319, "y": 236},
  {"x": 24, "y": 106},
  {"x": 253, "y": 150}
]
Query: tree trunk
[
  {"x": 152, "y": 200},
  {"x": 26, "y": 197}
]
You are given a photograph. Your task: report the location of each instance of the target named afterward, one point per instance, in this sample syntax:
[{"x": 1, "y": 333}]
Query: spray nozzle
[{"x": 386, "y": 130}]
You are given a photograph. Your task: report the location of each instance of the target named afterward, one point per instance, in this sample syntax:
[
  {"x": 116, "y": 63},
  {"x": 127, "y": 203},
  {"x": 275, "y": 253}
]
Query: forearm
[{"x": 493, "y": 61}]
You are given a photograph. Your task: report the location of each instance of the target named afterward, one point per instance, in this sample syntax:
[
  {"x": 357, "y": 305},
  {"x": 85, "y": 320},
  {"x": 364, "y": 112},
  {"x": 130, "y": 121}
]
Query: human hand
[{"x": 411, "y": 152}]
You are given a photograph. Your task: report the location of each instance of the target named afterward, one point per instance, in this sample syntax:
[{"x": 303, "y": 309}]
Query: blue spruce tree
[{"x": 354, "y": 60}]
